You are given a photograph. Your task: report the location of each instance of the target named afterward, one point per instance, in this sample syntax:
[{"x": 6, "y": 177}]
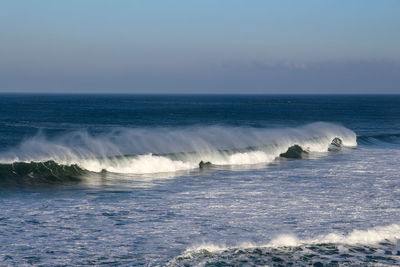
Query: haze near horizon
[{"x": 289, "y": 47}]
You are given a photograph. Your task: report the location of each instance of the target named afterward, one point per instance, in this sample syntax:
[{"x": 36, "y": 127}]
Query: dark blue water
[
  {"x": 115, "y": 180},
  {"x": 23, "y": 115}
]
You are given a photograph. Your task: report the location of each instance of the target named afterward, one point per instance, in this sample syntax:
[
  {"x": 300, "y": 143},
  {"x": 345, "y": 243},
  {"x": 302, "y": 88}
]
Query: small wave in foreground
[{"x": 376, "y": 246}]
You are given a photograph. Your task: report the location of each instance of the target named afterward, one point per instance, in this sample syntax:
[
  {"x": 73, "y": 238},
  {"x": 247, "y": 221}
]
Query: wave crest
[{"x": 154, "y": 150}]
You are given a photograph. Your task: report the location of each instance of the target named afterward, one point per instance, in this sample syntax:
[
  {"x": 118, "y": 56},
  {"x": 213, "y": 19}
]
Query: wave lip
[{"x": 157, "y": 150}]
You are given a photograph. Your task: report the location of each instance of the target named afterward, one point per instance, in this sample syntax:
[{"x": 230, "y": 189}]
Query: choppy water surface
[{"x": 115, "y": 180}]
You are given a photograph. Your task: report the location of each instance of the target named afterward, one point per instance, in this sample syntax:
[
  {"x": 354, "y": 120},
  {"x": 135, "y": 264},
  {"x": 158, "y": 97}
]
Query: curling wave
[{"x": 155, "y": 150}]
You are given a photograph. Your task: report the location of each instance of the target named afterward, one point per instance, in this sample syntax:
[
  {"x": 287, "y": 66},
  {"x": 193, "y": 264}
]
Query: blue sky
[{"x": 350, "y": 46}]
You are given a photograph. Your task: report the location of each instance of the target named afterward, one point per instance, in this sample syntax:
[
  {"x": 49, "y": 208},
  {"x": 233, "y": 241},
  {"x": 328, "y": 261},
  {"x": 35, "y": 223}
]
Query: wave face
[
  {"x": 157, "y": 150},
  {"x": 359, "y": 247},
  {"x": 34, "y": 173},
  {"x": 380, "y": 139}
]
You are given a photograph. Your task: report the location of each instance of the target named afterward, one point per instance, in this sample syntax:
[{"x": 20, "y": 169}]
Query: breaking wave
[
  {"x": 157, "y": 150},
  {"x": 376, "y": 245}
]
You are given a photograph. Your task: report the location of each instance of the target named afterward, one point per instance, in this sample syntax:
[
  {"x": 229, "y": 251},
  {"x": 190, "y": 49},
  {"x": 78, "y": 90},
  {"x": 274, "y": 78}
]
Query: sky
[{"x": 225, "y": 46}]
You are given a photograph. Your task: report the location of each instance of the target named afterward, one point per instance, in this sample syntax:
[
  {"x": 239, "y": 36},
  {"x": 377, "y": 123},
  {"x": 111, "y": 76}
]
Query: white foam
[
  {"x": 364, "y": 237},
  {"x": 142, "y": 164},
  {"x": 243, "y": 158},
  {"x": 284, "y": 240},
  {"x": 356, "y": 237}
]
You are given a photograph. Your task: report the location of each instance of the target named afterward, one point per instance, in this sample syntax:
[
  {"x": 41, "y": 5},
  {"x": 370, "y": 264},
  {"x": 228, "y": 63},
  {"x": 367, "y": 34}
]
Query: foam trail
[{"x": 153, "y": 150}]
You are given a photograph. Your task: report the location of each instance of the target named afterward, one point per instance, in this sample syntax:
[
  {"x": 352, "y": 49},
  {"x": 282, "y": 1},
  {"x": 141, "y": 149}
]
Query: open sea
[{"x": 199, "y": 180}]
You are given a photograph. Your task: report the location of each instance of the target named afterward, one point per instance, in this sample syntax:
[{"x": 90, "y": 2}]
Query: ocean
[{"x": 199, "y": 180}]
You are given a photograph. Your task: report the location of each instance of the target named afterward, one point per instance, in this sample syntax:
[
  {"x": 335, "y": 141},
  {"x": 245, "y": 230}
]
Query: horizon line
[{"x": 195, "y": 94}]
